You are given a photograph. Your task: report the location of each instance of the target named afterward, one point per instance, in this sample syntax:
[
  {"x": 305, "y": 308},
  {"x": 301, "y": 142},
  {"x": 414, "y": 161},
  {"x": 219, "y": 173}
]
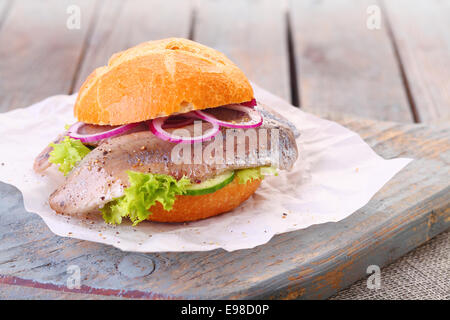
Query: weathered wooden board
[
  {"x": 421, "y": 31},
  {"x": 252, "y": 34},
  {"x": 311, "y": 263},
  {"x": 38, "y": 53},
  {"x": 342, "y": 64},
  {"x": 123, "y": 24},
  {"x": 343, "y": 67},
  {"x": 15, "y": 292}
]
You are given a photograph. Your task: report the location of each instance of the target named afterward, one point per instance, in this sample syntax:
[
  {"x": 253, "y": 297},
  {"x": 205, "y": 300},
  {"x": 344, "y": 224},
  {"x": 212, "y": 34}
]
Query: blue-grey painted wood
[{"x": 312, "y": 263}]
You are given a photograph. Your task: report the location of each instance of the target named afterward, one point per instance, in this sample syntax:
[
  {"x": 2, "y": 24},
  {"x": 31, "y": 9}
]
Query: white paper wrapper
[{"x": 337, "y": 174}]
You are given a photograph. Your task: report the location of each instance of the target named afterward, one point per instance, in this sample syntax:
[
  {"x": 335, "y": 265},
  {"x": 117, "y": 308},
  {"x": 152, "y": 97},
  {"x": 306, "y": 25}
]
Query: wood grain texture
[
  {"x": 334, "y": 51},
  {"x": 344, "y": 66},
  {"x": 421, "y": 31},
  {"x": 312, "y": 263},
  {"x": 252, "y": 34},
  {"x": 123, "y": 24},
  {"x": 38, "y": 53},
  {"x": 15, "y": 292}
]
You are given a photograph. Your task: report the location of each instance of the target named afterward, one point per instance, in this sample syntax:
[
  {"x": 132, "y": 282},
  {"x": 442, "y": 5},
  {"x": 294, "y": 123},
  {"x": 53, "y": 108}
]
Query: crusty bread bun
[
  {"x": 160, "y": 78},
  {"x": 190, "y": 208}
]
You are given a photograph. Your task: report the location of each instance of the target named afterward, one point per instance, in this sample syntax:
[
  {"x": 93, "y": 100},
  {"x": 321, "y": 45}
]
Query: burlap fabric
[{"x": 422, "y": 274}]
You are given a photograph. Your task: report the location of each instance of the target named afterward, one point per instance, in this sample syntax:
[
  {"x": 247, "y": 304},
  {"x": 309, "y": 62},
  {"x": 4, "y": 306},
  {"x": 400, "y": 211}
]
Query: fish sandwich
[{"x": 167, "y": 131}]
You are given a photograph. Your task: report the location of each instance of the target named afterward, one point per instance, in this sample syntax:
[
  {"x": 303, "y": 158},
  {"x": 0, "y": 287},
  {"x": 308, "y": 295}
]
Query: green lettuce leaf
[
  {"x": 67, "y": 154},
  {"x": 144, "y": 191},
  {"x": 268, "y": 171},
  {"x": 250, "y": 174}
]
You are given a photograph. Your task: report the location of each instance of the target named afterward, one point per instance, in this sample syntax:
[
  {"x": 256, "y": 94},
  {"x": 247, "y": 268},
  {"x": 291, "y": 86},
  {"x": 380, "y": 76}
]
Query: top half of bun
[{"x": 160, "y": 78}]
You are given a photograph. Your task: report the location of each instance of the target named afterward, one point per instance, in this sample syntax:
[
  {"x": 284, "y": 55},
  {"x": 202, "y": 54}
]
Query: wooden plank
[
  {"x": 312, "y": 263},
  {"x": 123, "y": 24},
  {"x": 39, "y": 54},
  {"x": 252, "y": 34},
  {"x": 14, "y": 292},
  {"x": 343, "y": 65},
  {"x": 421, "y": 30}
]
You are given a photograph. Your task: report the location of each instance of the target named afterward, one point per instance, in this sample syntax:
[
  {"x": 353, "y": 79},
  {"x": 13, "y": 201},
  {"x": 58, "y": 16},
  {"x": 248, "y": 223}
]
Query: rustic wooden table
[{"x": 333, "y": 58}]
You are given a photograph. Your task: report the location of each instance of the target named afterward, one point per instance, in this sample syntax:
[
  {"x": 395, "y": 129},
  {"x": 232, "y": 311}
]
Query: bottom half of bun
[{"x": 191, "y": 208}]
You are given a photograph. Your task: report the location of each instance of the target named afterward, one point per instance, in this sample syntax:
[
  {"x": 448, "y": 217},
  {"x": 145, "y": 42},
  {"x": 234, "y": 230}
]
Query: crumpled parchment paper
[{"x": 337, "y": 173}]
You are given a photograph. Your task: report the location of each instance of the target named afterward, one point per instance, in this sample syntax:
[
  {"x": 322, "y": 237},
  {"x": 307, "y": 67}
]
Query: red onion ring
[
  {"x": 73, "y": 132},
  {"x": 256, "y": 118},
  {"x": 251, "y": 103},
  {"x": 175, "y": 123},
  {"x": 156, "y": 127}
]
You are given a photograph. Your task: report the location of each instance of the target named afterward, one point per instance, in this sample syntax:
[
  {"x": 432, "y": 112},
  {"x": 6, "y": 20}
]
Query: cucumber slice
[{"x": 210, "y": 185}]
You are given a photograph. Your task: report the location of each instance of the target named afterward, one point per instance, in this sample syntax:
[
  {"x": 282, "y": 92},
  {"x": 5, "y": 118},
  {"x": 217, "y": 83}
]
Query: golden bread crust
[
  {"x": 190, "y": 208},
  {"x": 160, "y": 78}
]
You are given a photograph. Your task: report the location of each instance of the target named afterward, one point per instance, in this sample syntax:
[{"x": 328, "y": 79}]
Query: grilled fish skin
[{"x": 101, "y": 176}]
